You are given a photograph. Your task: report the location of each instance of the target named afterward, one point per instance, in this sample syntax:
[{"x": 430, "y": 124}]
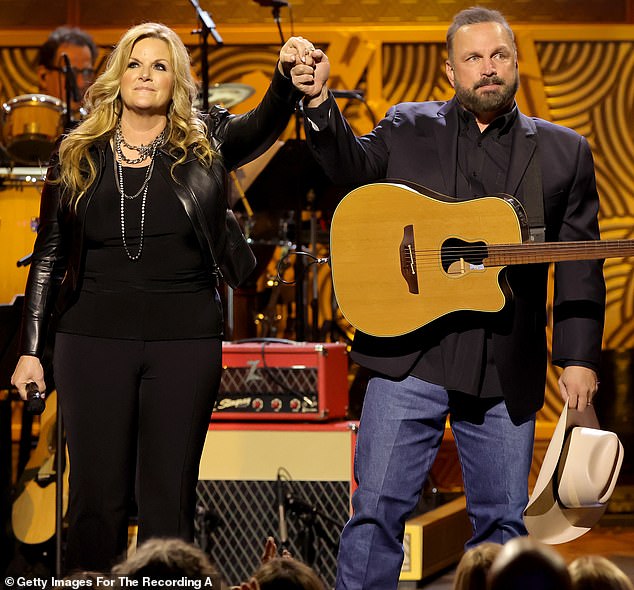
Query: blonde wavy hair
[{"x": 185, "y": 130}]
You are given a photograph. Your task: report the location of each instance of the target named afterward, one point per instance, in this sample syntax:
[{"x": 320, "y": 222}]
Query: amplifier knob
[
  {"x": 276, "y": 404},
  {"x": 295, "y": 405},
  {"x": 257, "y": 404}
]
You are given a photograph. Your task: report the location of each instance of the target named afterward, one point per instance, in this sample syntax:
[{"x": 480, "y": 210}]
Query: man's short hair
[
  {"x": 69, "y": 35},
  {"x": 473, "y": 16}
]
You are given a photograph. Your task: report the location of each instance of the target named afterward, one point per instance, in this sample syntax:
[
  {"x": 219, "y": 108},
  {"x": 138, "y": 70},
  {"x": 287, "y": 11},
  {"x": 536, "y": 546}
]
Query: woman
[
  {"x": 595, "y": 572},
  {"x": 134, "y": 228}
]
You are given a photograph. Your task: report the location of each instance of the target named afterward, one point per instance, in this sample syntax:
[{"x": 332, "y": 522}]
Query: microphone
[
  {"x": 281, "y": 511},
  {"x": 272, "y": 3},
  {"x": 34, "y": 401},
  {"x": 70, "y": 79},
  {"x": 298, "y": 506},
  {"x": 25, "y": 260}
]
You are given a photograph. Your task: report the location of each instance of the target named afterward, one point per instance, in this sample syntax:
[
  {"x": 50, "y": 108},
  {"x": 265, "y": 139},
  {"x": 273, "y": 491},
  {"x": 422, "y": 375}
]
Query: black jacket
[
  {"x": 417, "y": 142},
  {"x": 57, "y": 263}
]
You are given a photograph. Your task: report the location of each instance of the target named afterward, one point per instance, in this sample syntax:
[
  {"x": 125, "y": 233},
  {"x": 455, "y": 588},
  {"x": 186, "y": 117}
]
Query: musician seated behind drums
[{"x": 82, "y": 53}]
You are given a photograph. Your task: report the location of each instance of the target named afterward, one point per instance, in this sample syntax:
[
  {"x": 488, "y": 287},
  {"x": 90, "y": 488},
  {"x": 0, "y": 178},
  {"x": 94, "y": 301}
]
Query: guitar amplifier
[{"x": 278, "y": 381}]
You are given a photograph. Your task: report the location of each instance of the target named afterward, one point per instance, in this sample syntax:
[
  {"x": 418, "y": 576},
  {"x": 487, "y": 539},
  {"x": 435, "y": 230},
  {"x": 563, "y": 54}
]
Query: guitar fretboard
[{"x": 505, "y": 254}]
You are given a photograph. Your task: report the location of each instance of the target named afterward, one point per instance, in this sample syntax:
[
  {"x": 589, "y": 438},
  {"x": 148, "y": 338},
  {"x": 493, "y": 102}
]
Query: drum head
[{"x": 31, "y": 124}]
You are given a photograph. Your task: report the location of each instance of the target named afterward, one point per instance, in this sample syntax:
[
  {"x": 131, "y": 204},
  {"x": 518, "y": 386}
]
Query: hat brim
[{"x": 544, "y": 516}]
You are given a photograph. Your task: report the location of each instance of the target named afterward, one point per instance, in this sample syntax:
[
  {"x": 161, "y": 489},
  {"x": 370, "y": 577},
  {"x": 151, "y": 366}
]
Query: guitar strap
[{"x": 534, "y": 199}]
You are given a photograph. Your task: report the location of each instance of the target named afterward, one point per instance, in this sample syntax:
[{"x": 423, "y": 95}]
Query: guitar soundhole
[{"x": 458, "y": 256}]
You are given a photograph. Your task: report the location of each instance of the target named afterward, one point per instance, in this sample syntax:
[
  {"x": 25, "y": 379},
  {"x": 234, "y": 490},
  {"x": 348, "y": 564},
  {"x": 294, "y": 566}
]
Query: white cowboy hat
[{"x": 576, "y": 479}]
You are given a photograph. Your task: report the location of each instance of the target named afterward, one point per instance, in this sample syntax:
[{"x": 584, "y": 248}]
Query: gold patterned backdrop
[
  {"x": 578, "y": 75},
  {"x": 122, "y": 13}
]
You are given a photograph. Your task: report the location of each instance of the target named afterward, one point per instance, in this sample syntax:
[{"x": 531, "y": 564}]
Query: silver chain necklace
[
  {"x": 145, "y": 151},
  {"x": 124, "y": 197}
]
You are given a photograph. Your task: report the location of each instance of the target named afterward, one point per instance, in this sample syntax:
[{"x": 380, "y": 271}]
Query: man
[
  {"x": 82, "y": 54},
  {"x": 485, "y": 370}
]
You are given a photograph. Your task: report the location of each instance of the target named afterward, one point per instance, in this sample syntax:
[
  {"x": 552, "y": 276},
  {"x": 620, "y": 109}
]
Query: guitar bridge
[{"x": 407, "y": 254}]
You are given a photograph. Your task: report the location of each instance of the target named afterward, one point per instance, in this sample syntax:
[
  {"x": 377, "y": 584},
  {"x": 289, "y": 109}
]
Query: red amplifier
[{"x": 269, "y": 380}]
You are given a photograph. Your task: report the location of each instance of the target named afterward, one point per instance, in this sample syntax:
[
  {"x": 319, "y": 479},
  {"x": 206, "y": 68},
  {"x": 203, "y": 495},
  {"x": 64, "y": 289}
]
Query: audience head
[
  {"x": 472, "y": 570},
  {"x": 526, "y": 564},
  {"x": 286, "y": 573},
  {"x": 593, "y": 572},
  {"x": 166, "y": 559}
]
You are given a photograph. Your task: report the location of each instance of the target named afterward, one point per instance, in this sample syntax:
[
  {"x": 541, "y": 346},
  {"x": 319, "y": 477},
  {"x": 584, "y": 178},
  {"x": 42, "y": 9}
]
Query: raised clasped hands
[{"x": 308, "y": 68}]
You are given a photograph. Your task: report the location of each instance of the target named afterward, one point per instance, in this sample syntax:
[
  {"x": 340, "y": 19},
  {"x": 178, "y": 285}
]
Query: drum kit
[
  {"x": 30, "y": 125},
  {"x": 286, "y": 220}
]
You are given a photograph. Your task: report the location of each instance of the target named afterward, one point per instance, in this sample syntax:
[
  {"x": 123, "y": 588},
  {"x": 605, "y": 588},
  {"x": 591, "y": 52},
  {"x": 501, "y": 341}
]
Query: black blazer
[
  {"x": 56, "y": 266},
  {"x": 417, "y": 142}
]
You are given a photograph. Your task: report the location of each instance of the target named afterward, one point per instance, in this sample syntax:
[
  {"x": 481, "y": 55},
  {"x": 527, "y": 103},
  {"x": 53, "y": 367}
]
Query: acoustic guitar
[
  {"x": 401, "y": 259},
  {"x": 33, "y": 511}
]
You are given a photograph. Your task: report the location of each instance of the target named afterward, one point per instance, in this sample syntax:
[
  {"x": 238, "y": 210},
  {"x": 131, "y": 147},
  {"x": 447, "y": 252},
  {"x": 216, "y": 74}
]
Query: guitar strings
[
  {"x": 556, "y": 251},
  {"x": 599, "y": 247}
]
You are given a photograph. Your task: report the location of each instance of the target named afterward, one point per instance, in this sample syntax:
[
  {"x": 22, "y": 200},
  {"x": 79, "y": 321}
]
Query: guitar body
[
  {"x": 33, "y": 511},
  {"x": 382, "y": 289}
]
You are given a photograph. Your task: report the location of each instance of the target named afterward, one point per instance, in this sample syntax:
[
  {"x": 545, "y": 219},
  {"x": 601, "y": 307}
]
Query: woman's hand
[{"x": 28, "y": 369}]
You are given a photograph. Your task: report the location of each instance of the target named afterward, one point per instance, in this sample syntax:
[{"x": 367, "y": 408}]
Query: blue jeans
[{"x": 401, "y": 428}]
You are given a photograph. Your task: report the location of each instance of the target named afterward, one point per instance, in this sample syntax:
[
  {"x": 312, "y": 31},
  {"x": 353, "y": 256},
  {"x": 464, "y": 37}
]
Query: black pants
[{"x": 136, "y": 415}]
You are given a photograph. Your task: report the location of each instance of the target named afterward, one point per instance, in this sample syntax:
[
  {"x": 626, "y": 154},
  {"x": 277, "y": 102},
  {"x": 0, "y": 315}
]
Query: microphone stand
[
  {"x": 72, "y": 93},
  {"x": 70, "y": 90},
  {"x": 298, "y": 266},
  {"x": 60, "y": 460},
  {"x": 278, "y": 20},
  {"x": 207, "y": 27},
  {"x": 312, "y": 529}
]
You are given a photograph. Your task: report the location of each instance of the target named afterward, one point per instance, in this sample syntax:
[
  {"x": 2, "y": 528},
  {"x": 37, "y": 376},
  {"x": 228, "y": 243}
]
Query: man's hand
[
  {"x": 577, "y": 386},
  {"x": 311, "y": 76},
  {"x": 307, "y": 67}
]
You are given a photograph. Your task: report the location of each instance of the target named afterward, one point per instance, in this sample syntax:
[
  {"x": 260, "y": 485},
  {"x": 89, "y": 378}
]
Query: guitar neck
[{"x": 528, "y": 253}]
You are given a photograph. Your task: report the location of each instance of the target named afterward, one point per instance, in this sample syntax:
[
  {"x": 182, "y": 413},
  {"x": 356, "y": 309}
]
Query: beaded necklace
[{"x": 145, "y": 152}]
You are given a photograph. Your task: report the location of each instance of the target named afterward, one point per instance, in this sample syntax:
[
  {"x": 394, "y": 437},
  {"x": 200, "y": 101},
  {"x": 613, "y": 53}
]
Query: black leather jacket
[{"x": 57, "y": 262}]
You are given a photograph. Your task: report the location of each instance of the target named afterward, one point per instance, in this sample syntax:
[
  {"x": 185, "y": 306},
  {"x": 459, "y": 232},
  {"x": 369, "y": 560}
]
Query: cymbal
[{"x": 227, "y": 95}]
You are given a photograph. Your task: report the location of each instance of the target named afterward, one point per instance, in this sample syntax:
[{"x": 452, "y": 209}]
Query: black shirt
[
  {"x": 461, "y": 359},
  {"x": 167, "y": 293}
]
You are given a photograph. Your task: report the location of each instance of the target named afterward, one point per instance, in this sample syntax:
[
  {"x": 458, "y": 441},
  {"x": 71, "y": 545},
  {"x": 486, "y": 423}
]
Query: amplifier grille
[
  {"x": 268, "y": 380},
  {"x": 246, "y": 513}
]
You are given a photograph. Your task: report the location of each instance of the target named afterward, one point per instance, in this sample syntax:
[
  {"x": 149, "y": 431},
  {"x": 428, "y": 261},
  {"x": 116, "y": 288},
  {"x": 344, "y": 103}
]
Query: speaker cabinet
[{"x": 245, "y": 466}]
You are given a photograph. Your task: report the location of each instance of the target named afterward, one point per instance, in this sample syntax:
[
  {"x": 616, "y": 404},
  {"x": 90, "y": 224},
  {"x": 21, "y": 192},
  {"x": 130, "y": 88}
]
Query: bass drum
[
  {"x": 31, "y": 124},
  {"x": 19, "y": 211}
]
